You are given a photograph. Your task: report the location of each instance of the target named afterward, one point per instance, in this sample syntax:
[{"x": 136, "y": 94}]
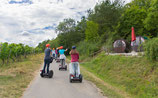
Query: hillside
[{"x": 134, "y": 75}]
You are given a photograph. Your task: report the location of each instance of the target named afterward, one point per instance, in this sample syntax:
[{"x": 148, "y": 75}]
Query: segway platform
[
  {"x": 75, "y": 78},
  {"x": 57, "y": 60},
  {"x": 49, "y": 75},
  {"x": 62, "y": 67}
]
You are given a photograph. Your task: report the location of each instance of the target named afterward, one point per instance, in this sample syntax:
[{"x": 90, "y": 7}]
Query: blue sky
[
  {"x": 33, "y": 21},
  {"x": 20, "y": 2}
]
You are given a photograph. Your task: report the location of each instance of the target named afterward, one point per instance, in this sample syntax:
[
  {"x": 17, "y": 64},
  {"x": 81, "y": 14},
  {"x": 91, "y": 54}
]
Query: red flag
[{"x": 133, "y": 35}]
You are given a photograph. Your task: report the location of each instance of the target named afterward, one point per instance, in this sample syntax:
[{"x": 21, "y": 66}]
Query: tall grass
[{"x": 15, "y": 77}]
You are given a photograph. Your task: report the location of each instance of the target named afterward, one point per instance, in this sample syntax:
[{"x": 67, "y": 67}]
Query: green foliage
[
  {"x": 151, "y": 49},
  {"x": 151, "y": 22},
  {"x": 87, "y": 48},
  {"x": 15, "y": 51},
  {"x": 132, "y": 17},
  {"x": 81, "y": 27},
  {"x": 108, "y": 21},
  {"x": 42, "y": 45},
  {"x": 4, "y": 51},
  {"x": 66, "y": 26},
  {"x": 92, "y": 31},
  {"x": 69, "y": 33},
  {"x": 54, "y": 43},
  {"x": 106, "y": 14}
]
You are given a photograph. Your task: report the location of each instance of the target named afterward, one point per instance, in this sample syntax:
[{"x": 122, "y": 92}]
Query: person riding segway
[
  {"x": 47, "y": 61},
  {"x": 57, "y": 52},
  {"x": 53, "y": 53},
  {"x": 62, "y": 58},
  {"x": 74, "y": 66}
]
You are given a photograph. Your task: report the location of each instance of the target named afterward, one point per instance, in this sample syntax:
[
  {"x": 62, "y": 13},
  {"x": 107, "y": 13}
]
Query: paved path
[{"x": 60, "y": 87}]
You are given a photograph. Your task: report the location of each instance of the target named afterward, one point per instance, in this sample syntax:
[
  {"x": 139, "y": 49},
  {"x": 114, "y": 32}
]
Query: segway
[
  {"x": 62, "y": 66},
  {"x": 75, "y": 78},
  {"x": 73, "y": 74},
  {"x": 57, "y": 60},
  {"x": 49, "y": 75}
]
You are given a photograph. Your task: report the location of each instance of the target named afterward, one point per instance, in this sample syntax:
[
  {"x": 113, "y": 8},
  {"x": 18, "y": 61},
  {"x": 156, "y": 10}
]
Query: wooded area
[{"x": 107, "y": 22}]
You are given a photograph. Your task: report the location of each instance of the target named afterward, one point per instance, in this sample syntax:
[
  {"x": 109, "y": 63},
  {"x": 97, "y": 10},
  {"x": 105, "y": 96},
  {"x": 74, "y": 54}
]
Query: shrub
[
  {"x": 87, "y": 48},
  {"x": 151, "y": 49}
]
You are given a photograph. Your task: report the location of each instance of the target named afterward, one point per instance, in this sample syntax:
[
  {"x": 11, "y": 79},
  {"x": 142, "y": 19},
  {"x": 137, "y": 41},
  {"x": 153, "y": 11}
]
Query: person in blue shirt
[
  {"x": 47, "y": 58},
  {"x": 62, "y": 55}
]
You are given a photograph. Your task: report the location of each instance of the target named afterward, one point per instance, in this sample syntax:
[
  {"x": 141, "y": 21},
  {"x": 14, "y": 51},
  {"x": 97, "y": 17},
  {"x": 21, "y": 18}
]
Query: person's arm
[
  {"x": 78, "y": 56},
  {"x": 66, "y": 50},
  {"x": 70, "y": 52},
  {"x": 50, "y": 52}
]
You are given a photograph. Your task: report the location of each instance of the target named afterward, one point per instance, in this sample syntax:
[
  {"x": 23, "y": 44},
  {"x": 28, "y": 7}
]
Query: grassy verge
[
  {"x": 106, "y": 89},
  {"x": 125, "y": 76},
  {"x": 15, "y": 77}
]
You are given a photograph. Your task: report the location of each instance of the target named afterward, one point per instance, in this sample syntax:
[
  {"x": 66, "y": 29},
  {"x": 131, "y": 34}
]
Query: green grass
[
  {"x": 104, "y": 89},
  {"x": 134, "y": 75},
  {"x": 15, "y": 77}
]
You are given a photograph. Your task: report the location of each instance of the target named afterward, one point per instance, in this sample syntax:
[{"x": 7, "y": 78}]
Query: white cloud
[{"x": 23, "y": 22}]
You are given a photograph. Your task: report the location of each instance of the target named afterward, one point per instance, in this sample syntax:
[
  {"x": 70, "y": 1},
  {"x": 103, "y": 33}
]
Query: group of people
[{"x": 59, "y": 53}]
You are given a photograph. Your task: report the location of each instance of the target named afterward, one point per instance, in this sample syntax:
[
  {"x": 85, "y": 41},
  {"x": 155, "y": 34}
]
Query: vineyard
[{"x": 14, "y": 52}]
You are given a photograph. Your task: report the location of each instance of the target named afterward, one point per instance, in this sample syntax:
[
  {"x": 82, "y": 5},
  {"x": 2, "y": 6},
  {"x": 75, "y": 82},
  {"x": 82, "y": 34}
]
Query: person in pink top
[
  {"x": 56, "y": 53},
  {"x": 74, "y": 60}
]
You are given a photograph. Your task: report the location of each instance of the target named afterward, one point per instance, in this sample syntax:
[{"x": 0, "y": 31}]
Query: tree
[
  {"x": 69, "y": 33},
  {"x": 92, "y": 31},
  {"x": 66, "y": 26},
  {"x": 81, "y": 28},
  {"x": 134, "y": 16},
  {"x": 151, "y": 23},
  {"x": 106, "y": 14}
]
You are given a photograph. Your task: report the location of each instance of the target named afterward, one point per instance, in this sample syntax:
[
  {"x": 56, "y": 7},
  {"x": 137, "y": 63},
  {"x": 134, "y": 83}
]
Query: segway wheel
[
  {"x": 66, "y": 67},
  {"x": 59, "y": 68},
  {"x": 50, "y": 74},
  {"x": 70, "y": 78},
  {"x": 41, "y": 74},
  {"x": 80, "y": 77}
]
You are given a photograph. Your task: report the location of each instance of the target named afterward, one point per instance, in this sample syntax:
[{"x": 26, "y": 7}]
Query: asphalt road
[{"x": 60, "y": 87}]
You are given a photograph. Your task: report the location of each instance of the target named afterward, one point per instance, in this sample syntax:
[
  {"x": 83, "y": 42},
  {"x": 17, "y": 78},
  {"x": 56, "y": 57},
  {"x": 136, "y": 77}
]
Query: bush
[
  {"x": 87, "y": 48},
  {"x": 151, "y": 49}
]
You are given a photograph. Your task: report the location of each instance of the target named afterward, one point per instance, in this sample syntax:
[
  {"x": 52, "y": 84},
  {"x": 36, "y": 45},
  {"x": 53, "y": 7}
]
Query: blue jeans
[
  {"x": 46, "y": 63},
  {"x": 53, "y": 55},
  {"x": 62, "y": 62},
  {"x": 75, "y": 68}
]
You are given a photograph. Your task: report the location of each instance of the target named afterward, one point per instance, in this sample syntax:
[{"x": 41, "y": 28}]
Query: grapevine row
[{"x": 14, "y": 51}]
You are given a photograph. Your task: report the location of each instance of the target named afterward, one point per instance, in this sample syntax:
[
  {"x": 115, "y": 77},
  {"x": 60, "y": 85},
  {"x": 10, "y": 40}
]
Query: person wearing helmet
[
  {"x": 74, "y": 60},
  {"x": 53, "y": 53},
  {"x": 62, "y": 55},
  {"x": 56, "y": 53},
  {"x": 47, "y": 58}
]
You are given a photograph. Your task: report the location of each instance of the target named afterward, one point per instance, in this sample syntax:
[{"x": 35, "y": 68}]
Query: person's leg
[
  {"x": 47, "y": 64},
  {"x": 61, "y": 62},
  {"x": 76, "y": 68},
  {"x": 48, "y": 67},
  {"x": 44, "y": 66},
  {"x": 64, "y": 62},
  {"x": 73, "y": 68}
]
